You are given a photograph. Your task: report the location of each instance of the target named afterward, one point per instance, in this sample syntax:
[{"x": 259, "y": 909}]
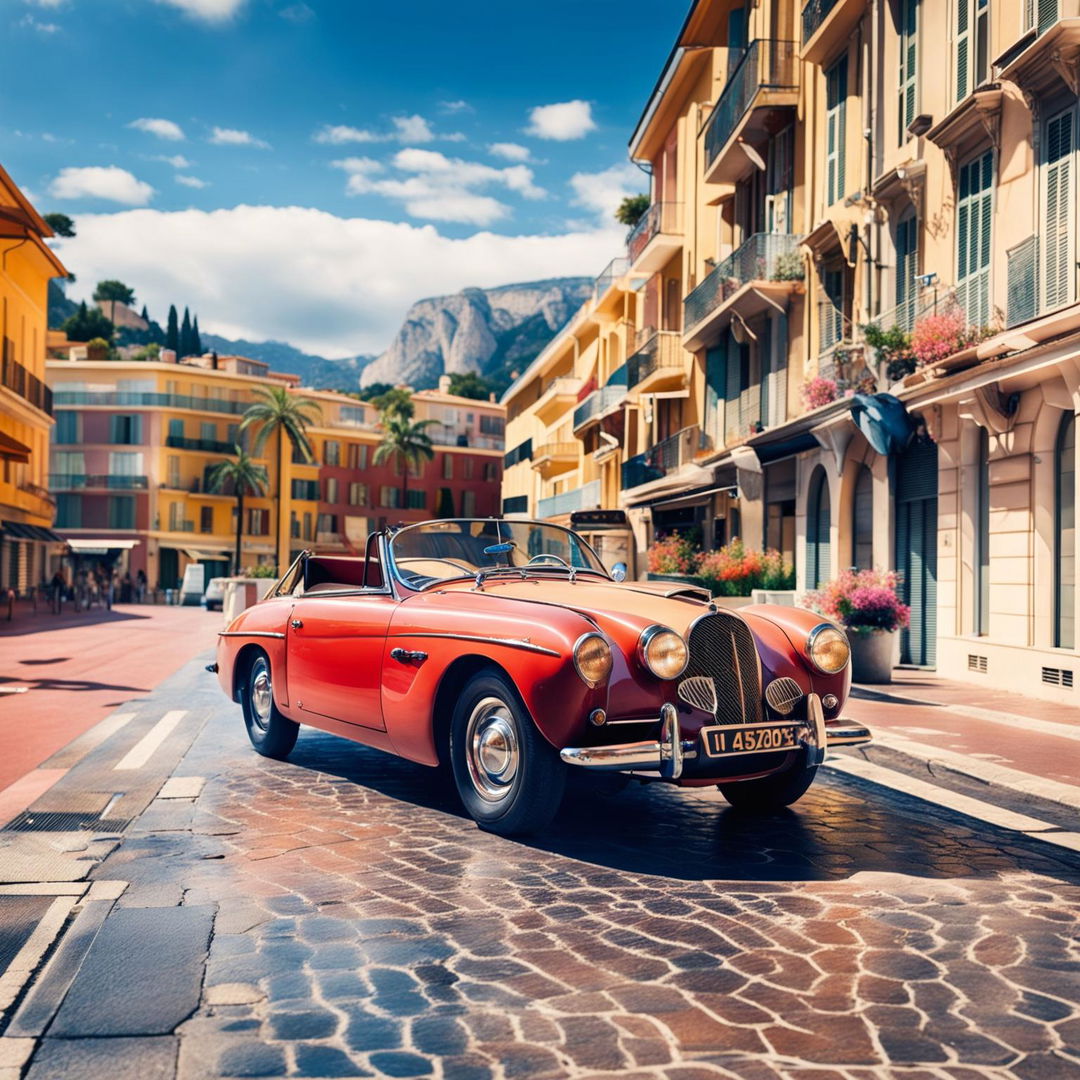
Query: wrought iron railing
[
  {"x": 660, "y": 350},
  {"x": 1022, "y": 303},
  {"x": 611, "y": 273},
  {"x": 211, "y": 446},
  {"x": 814, "y": 14},
  {"x": 109, "y": 481},
  {"x": 762, "y": 257},
  {"x": 598, "y": 402},
  {"x": 20, "y": 380},
  {"x": 973, "y": 296},
  {"x": 586, "y": 497},
  {"x": 134, "y": 399},
  {"x": 661, "y": 217},
  {"x": 767, "y": 64},
  {"x": 665, "y": 457}
]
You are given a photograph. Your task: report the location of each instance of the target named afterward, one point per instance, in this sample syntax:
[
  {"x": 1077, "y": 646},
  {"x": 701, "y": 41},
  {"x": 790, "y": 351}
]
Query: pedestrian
[
  {"x": 56, "y": 595},
  {"x": 140, "y": 586},
  {"x": 126, "y": 589}
]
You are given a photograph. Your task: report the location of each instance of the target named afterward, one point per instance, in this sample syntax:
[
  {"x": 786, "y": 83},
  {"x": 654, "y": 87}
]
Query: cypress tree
[
  {"x": 172, "y": 333},
  {"x": 185, "y": 335},
  {"x": 143, "y": 315},
  {"x": 196, "y": 340}
]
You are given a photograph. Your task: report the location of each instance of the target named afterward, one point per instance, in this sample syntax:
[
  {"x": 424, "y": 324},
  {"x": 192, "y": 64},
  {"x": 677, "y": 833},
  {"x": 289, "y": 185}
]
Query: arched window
[
  {"x": 1065, "y": 534},
  {"x": 818, "y": 523},
  {"x": 981, "y": 559},
  {"x": 862, "y": 523}
]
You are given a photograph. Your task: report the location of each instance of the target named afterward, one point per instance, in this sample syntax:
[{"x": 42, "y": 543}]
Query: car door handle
[
  {"x": 296, "y": 624},
  {"x": 407, "y": 657}
]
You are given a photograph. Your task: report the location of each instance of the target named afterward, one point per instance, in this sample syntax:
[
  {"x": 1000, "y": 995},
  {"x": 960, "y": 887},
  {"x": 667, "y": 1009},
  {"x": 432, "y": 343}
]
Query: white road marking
[
  {"x": 144, "y": 749},
  {"x": 951, "y": 800},
  {"x": 29, "y": 956},
  {"x": 13, "y": 689}
]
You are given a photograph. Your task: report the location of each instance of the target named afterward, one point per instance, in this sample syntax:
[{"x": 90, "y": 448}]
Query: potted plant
[
  {"x": 789, "y": 267},
  {"x": 866, "y": 603},
  {"x": 819, "y": 391},
  {"x": 734, "y": 572},
  {"x": 672, "y": 558}
]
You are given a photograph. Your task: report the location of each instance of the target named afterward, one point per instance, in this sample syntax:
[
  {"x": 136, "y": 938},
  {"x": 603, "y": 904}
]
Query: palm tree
[
  {"x": 245, "y": 478},
  {"x": 277, "y": 412},
  {"x": 406, "y": 443}
]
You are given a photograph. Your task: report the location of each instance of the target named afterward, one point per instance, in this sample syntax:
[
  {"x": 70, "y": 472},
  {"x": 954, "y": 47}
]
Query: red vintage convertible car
[{"x": 507, "y": 651}]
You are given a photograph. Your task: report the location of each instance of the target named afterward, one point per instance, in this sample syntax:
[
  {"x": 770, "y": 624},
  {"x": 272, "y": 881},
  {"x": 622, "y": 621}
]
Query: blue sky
[{"x": 211, "y": 149}]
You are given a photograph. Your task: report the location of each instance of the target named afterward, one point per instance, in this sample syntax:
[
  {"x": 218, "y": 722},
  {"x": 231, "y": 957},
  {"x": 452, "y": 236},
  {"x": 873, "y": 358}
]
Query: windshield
[{"x": 443, "y": 550}]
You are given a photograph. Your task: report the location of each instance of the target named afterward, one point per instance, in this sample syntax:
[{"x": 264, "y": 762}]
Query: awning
[
  {"x": 13, "y": 450},
  {"x": 19, "y": 530},
  {"x": 783, "y": 448},
  {"x": 210, "y": 556},
  {"x": 98, "y": 545}
]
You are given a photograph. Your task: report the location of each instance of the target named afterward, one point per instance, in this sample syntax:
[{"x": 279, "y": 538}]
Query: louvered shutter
[
  {"x": 963, "y": 47},
  {"x": 907, "y": 266},
  {"x": 734, "y": 375},
  {"x": 973, "y": 231},
  {"x": 818, "y": 531},
  {"x": 908, "y": 60},
  {"x": 916, "y": 548},
  {"x": 863, "y": 520},
  {"x": 1058, "y": 208},
  {"x": 1048, "y": 14},
  {"x": 836, "y": 84},
  {"x": 715, "y": 391}
]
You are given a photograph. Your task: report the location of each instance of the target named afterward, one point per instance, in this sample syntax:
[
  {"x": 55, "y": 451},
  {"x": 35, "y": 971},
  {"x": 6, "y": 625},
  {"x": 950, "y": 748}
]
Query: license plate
[{"x": 755, "y": 739}]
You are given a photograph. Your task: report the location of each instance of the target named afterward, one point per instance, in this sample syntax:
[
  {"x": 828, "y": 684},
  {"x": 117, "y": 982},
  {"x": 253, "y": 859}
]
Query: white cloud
[
  {"x": 439, "y": 188},
  {"x": 177, "y": 161},
  {"x": 331, "y": 285},
  {"x": 455, "y": 106},
  {"x": 233, "y": 137},
  {"x": 46, "y": 3},
  {"x": 407, "y": 129},
  {"x": 36, "y": 24},
  {"x": 509, "y": 150},
  {"x": 413, "y": 129},
  {"x": 192, "y": 182},
  {"x": 339, "y": 134},
  {"x": 163, "y": 129},
  {"x": 297, "y": 13},
  {"x": 561, "y": 122},
  {"x": 208, "y": 10},
  {"x": 101, "y": 182},
  {"x": 601, "y": 192}
]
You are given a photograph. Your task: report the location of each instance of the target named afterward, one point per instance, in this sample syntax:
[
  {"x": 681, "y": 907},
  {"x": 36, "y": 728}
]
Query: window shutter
[
  {"x": 1058, "y": 206},
  {"x": 963, "y": 47},
  {"x": 908, "y": 60},
  {"x": 836, "y": 106},
  {"x": 907, "y": 266},
  {"x": 818, "y": 538},
  {"x": 1048, "y": 14},
  {"x": 973, "y": 229}
]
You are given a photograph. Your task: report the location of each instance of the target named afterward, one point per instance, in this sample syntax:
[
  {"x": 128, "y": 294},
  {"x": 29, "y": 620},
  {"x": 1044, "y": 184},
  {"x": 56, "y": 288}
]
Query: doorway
[{"x": 916, "y": 548}]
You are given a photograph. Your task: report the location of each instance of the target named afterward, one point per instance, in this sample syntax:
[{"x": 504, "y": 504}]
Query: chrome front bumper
[{"x": 665, "y": 756}]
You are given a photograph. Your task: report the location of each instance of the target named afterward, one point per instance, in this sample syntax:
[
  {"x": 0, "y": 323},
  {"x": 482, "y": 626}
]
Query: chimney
[
  {"x": 444, "y": 384},
  {"x": 167, "y": 356},
  {"x": 214, "y": 360}
]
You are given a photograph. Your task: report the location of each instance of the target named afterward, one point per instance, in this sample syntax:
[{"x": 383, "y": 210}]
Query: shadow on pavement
[
  {"x": 75, "y": 685},
  {"x": 43, "y": 620},
  {"x": 841, "y": 827}
]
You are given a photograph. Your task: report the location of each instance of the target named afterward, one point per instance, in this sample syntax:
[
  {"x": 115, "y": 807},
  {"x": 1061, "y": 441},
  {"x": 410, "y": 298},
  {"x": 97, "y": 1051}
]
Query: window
[
  {"x": 67, "y": 428},
  {"x": 125, "y": 464},
  {"x": 1065, "y": 539},
  {"x": 832, "y": 307},
  {"x": 327, "y": 523},
  {"x": 307, "y": 525},
  {"x": 358, "y": 455},
  {"x": 491, "y": 472},
  {"x": 358, "y": 494},
  {"x": 68, "y": 511},
  {"x": 331, "y": 489},
  {"x": 836, "y": 90},
  {"x": 448, "y": 467},
  {"x": 468, "y": 468},
  {"x": 67, "y": 464},
  {"x": 973, "y": 218},
  {"x": 390, "y": 497},
  {"x": 176, "y": 516},
  {"x": 351, "y": 414},
  {"x": 862, "y": 512},
  {"x": 818, "y": 531},
  {"x": 909, "y": 54},
  {"x": 305, "y": 489},
  {"x": 417, "y": 500},
  {"x": 492, "y": 425},
  {"x": 208, "y": 431},
  {"x": 468, "y": 504},
  {"x": 972, "y": 45},
  {"x": 331, "y": 452},
  {"x": 981, "y": 555},
  {"x": 121, "y": 511},
  {"x": 445, "y": 507},
  {"x": 176, "y": 429},
  {"x": 294, "y": 525},
  {"x": 1040, "y": 14},
  {"x": 907, "y": 266},
  {"x": 258, "y": 522},
  {"x": 1059, "y": 210},
  {"x": 206, "y": 519},
  {"x": 173, "y": 471},
  {"x": 125, "y": 430}
]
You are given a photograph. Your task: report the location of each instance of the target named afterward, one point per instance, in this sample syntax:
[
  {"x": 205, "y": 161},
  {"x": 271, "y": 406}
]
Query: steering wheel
[{"x": 547, "y": 555}]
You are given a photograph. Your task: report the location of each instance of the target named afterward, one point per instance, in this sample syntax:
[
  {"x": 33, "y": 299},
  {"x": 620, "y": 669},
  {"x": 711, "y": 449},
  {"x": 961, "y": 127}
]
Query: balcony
[
  {"x": 21, "y": 381},
  {"x": 655, "y": 238},
  {"x": 553, "y": 458},
  {"x": 611, "y": 273},
  {"x": 827, "y": 23},
  {"x": 451, "y": 437},
  {"x": 764, "y": 80},
  {"x": 759, "y": 274},
  {"x": 1049, "y": 56},
  {"x": 136, "y": 400},
  {"x": 1022, "y": 304},
  {"x": 558, "y": 397},
  {"x": 666, "y": 459},
  {"x": 104, "y": 481},
  {"x": 586, "y": 497},
  {"x": 659, "y": 364},
  {"x": 597, "y": 404},
  {"x": 181, "y": 526},
  {"x": 207, "y": 446}
]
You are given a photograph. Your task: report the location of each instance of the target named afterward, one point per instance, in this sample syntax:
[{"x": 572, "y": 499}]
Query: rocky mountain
[
  {"x": 494, "y": 332},
  {"x": 316, "y": 371}
]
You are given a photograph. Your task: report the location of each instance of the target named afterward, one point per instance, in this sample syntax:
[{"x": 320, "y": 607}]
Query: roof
[{"x": 21, "y": 213}]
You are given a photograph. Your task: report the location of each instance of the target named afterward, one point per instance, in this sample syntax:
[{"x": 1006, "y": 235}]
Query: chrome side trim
[
  {"x": 509, "y": 642},
  {"x": 639, "y": 755},
  {"x": 250, "y": 633},
  {"x": 847, "y": 733},
  {"x": 817, "y": 740},
  {"x": 671, "y": 751}
]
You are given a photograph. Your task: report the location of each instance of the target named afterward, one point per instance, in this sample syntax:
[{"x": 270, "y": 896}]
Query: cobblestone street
[{"x": 337, "y": 915}]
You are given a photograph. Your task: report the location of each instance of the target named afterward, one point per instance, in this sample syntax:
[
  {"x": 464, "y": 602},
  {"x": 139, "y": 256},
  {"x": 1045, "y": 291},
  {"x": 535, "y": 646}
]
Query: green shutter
[
  {"x": 1048, "y": 14},
  {"x": 908, "y": 65},
  {"x": 907, "y": 266},
  {"x": 836, "y": 88},
  {"x": 818, "y": 531},
  {"x": 974, "y": 219},
  {"x": 963, "y": 48},
  {"x": 1058, "y": 209}
]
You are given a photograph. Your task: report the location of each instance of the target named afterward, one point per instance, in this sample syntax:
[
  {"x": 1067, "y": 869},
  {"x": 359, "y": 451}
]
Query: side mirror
[{"x": 618, "y": 571}]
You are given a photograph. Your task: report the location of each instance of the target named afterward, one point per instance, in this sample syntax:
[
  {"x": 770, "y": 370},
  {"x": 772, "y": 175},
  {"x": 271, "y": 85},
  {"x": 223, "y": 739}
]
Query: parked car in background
[
  {"x": 505, "y": 651},
  {"x": 214, "y": 597}
]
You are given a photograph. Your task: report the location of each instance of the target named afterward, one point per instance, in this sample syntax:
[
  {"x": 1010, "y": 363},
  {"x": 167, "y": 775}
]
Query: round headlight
[
  {"x": 663, "y": 652},
  {"x": 828, "y": 648},
  {"x": 592, "y": 658}
]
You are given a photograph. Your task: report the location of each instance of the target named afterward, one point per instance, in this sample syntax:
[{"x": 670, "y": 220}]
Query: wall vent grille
[
  {"x": 1053, "y": 676},
  {"x": 977, "y": 663}
]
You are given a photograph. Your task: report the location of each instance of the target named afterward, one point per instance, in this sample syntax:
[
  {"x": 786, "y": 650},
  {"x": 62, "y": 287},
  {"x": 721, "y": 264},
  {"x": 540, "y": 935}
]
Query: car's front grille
[{"x": 722, "y": 648}]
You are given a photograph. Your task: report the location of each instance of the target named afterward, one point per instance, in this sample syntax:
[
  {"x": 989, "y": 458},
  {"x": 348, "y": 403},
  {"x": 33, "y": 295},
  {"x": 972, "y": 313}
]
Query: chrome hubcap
[
  {"x": 262, "y": 697},
  {"x": 492, "y": 749}
]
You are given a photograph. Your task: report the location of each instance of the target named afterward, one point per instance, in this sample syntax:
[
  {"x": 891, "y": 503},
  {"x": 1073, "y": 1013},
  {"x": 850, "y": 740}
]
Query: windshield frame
[{"x": 494, "y": 571}]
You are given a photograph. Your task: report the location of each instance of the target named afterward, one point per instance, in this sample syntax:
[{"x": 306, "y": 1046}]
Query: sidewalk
[{"x": 1016, "y": 747}]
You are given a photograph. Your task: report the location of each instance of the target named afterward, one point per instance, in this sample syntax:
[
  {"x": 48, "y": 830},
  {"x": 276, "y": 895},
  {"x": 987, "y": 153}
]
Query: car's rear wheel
[
  {"x": 770, "y": 792},
  {"x": 271, "y": 733},
  {"x": 509, "y": 778}
]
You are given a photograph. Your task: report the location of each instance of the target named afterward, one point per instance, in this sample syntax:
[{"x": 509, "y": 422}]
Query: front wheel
[
  {"x": 271, "y": 733},
  {"x": 509, "y": 778},
  {"x": 770, "y": 792}
]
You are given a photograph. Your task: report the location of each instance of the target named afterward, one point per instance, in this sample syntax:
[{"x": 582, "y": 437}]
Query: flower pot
[{"x": 872, "y": 655}]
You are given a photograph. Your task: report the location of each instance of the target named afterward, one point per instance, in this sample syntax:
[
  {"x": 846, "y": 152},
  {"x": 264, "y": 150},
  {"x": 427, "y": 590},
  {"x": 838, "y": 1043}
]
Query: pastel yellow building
[{"x": 26, "y": 507}]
